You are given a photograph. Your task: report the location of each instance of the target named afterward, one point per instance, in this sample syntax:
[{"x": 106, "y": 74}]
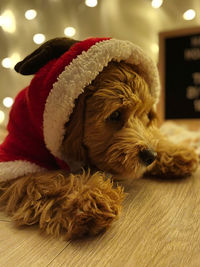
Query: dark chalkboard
[{"x": 179, "y": 64}]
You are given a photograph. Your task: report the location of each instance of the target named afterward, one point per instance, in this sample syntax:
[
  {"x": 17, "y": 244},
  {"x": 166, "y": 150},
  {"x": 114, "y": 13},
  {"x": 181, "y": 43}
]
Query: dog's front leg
[
  {"x": 74, "y": 205},
  {"x": 173, "y": 160}
]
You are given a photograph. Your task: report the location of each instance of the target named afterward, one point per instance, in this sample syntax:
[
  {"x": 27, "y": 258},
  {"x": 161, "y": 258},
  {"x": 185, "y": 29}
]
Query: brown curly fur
[
  {"x": 74, "y": 206},
  {"x": 88, "y": 202}
]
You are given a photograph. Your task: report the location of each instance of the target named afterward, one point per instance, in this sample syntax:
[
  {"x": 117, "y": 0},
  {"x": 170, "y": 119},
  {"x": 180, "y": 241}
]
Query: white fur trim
[
  {"x": 13, "y": 169},
  {"x": 80, "y": 73}
]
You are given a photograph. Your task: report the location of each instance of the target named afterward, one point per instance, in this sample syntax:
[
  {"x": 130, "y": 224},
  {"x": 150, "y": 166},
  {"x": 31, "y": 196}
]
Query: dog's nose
[{"x": 147, "y": 156}]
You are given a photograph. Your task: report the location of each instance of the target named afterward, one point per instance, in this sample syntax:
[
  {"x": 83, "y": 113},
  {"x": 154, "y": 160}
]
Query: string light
[
  {"x": 69, "y": 31},
  {"x": 156, "y": 3},
  {"x": 154, "y": 48},
  {"x": 2, "y": 116},
  {"x": 30, "y": 14},
  {"x": 91, "y": 3},
  {"x": 7, "y": 21},
  {"x": 6, "y": 63},
  {"x": 189, "y": 14},
  {"x": 15, "y": 57},
  {"x": 39, "y": 38},
  {"x": 1, "y": 20},
  {"x": 7, "y": 102},
  {"x": 9, "y": 62}
]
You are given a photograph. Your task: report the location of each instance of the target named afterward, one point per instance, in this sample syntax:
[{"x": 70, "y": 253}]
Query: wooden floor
[{"x": 159, "y": 226}]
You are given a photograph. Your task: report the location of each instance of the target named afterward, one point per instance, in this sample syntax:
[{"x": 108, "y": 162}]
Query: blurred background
[{"x": 25, "y": 24}]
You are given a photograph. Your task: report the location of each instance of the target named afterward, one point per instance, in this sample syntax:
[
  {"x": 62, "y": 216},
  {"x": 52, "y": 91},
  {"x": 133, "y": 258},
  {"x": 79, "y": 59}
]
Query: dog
[{"x": 110, "y": 134}]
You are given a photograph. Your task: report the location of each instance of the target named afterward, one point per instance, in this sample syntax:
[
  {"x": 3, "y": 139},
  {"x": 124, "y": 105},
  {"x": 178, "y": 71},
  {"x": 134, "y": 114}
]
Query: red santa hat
[{"x": 40, "y": 112}]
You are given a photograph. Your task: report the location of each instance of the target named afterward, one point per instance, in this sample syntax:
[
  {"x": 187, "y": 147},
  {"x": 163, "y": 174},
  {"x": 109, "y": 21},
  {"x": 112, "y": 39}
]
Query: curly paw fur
[
  {"x": 174, "y": 161},
  {"x": 73, "y": 206}
]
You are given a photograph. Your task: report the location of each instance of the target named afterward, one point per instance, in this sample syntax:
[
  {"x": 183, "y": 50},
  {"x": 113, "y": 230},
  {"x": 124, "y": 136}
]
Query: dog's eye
[
  {"x": 115, "y": 116},
  {"x": 151, "y": 115}
]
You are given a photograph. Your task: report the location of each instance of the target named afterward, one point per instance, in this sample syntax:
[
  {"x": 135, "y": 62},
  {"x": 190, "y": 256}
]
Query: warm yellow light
[
  {"x": 15, "y": 58},
  {"x": 154, "y": 48},
  {"x": 1, "y": 20},
  {"x": 189, "y": 14},
  {"x": 69, "y": 31},
  {"x": 7, "y": 102},
  {"x": 30, "y": 14},
  {"x": 156, "y": 3},
  {"x": 7, "y": 21},
  {"x": 91, "y": 3},
  {"x": 39, "y": 38},
  {"x": 2, "y": 116},
  {"x": 9, "y": 62},
  {"x": 6, "y": 63}
]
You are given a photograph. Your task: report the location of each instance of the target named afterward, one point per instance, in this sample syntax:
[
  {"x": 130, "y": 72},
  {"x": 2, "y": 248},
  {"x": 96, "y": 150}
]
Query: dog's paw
[
  {"x": 178, "y": 161},
  {"x": 94, "y": 208},
  {"x": 72, "y": 206}
]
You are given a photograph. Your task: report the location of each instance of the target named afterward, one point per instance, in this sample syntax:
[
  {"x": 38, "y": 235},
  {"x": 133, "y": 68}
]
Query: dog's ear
[
  {"x": 73, "y": 149},
  {"x": 53, "y": 48}
]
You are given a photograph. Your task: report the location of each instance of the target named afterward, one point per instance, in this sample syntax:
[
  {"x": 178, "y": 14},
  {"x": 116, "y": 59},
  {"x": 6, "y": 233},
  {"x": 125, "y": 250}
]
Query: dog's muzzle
[{"x": 147, "y": 156}]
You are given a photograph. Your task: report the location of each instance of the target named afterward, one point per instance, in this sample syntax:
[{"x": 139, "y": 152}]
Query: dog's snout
[{"x": 147, "y": 156}]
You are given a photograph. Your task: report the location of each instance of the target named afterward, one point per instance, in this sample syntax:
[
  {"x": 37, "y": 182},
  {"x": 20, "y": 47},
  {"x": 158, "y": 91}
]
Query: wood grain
[
  {"x": 159, "y": 226},
  {"x": 26, "y": 247}
]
